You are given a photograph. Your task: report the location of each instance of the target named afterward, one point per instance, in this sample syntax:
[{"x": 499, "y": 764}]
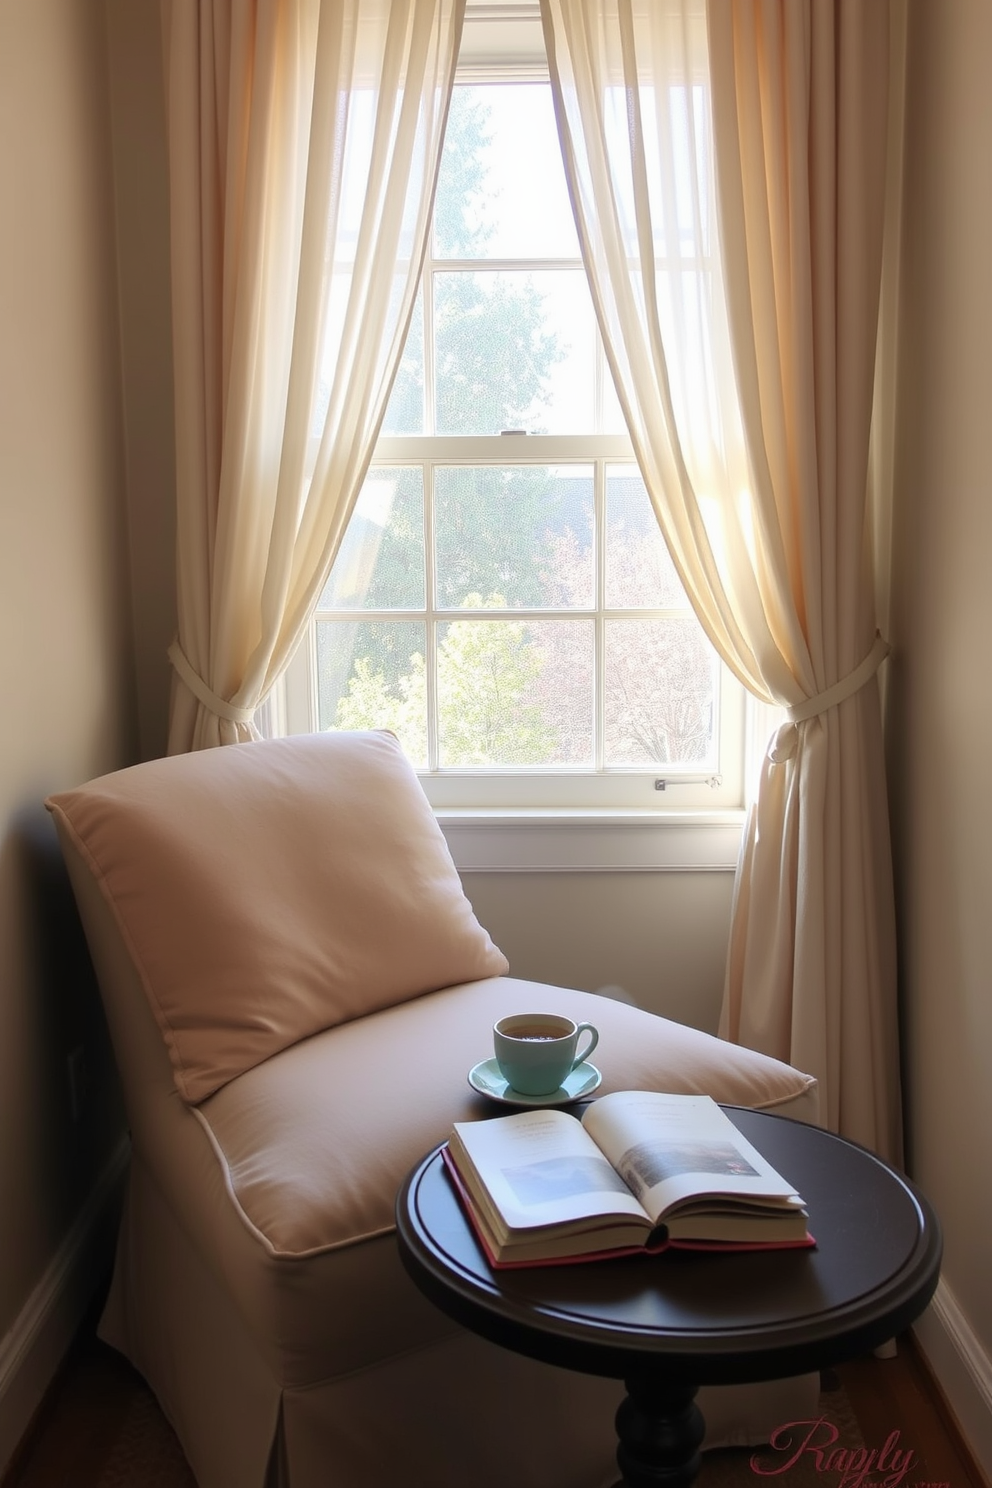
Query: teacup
[{"x": 536, "y": 1052}]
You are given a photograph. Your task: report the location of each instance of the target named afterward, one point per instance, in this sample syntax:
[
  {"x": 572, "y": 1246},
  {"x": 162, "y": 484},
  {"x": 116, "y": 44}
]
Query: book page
[
  {"x": 673, "y": 1150},
  {"x": 539, "y": 1168}
]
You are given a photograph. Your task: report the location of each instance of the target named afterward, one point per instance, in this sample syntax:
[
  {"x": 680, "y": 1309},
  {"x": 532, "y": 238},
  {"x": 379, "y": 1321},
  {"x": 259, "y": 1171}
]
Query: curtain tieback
[
  {"x": 202, "y": 692},
  {"x": 783, "y": 745}
]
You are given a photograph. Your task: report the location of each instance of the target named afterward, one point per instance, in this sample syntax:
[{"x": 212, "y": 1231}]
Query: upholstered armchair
[{"x": 296, "y": 987}]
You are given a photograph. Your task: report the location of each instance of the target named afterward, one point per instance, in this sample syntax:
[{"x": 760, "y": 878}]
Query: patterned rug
[{"x": 146, "y": 1454}]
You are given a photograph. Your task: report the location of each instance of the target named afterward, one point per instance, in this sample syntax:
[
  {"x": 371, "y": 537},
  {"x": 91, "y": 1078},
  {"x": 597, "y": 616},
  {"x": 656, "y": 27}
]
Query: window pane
[
  {"x": 639, "y": 567},
  {"x": 514, "y": 536},
  {"x": 659, "y": 680},
  {"x": 371, "y": 674},
  {"x": 501, "y": 190},
  {"x": 514, "y": 350},
  {"x": 380, "y": 563},
  {"x": 564, "y": 687},
  {"x": 512, "y": 694}
]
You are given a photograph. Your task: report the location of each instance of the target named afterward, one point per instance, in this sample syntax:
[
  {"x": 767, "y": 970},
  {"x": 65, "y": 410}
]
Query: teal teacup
[{"x": 536, "y": 1052}]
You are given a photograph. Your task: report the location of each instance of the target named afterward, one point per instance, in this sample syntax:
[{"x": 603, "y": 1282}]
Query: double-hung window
[{"x": 503, "y": 599}]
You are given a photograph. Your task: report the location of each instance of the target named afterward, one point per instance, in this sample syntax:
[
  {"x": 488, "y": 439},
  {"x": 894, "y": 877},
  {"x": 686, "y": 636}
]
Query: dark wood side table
[{"x": 668, "y": 1324}]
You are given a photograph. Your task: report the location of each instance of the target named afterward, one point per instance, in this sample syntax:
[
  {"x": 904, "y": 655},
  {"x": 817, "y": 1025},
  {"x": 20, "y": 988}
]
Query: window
[{"x": 503, "y": 599}]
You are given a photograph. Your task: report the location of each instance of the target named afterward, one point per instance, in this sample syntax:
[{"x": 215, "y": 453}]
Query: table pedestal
[{"x": 659, "y": 1430}]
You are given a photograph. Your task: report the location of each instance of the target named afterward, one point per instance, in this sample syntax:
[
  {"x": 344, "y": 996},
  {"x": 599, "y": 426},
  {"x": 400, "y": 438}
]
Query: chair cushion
[
  {"x": 268, "y": 891},
  {"x": 314, "y": 1143}
]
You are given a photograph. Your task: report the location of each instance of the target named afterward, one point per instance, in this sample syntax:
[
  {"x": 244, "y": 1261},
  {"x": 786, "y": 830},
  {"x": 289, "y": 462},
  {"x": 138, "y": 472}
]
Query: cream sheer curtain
[
  {"x": 749, "y": 409},
  {"x": 304, "y": 140}
]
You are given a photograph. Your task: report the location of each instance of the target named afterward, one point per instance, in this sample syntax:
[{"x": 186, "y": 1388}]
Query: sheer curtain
[
  {"x": 749, "y": 408},
  {"x": 304, "y": 141}
]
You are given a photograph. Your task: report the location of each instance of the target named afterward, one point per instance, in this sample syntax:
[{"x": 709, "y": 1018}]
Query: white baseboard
[
  {"x": 962, "y": 1368},
  {"x": 34, "y": 1347}
]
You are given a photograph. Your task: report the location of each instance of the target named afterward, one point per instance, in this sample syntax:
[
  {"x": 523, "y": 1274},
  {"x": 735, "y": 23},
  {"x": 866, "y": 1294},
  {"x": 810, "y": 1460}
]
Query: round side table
[{"x": 668, "y": 1324}]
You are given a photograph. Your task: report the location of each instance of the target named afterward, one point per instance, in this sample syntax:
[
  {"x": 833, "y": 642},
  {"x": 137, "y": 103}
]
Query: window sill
[{"x": 607, "y": 841}]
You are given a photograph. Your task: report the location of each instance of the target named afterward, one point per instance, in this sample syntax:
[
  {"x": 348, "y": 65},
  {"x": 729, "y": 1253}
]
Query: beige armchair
[{"x": 296, "y": 987}]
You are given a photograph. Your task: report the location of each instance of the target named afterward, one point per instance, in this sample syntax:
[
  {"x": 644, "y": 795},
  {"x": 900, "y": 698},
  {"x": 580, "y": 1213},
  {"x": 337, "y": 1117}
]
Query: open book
[{"x": 641, "y": 1171}]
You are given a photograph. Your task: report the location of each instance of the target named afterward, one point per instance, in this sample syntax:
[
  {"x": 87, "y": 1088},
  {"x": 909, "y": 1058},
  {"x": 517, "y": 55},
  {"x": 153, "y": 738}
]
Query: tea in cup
[{"x": 536, "y": 1052}]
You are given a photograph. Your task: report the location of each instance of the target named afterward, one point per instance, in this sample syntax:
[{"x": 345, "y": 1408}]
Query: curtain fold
[
  {"x": 727, "y": 164},
  {"x": 304, "y": 142}
]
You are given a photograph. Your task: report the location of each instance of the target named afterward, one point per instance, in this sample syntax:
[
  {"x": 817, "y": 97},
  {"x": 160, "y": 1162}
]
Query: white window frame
[{"x": 503, "y": 43}]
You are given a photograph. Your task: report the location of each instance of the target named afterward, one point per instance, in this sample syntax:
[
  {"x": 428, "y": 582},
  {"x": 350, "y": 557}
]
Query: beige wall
[
  {"x": 65, "y": 680},
  {"x": 940, "y": 718},
  {"x": 660, "y": 937},
  {"x": 134, "y": 32}
]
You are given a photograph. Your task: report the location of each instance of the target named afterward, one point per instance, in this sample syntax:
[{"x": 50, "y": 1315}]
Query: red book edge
[{"x": 724, "y": 1247}]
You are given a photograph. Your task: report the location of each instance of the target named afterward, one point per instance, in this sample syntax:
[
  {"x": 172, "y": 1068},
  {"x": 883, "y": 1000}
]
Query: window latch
[{"x": 714, "y": 782}]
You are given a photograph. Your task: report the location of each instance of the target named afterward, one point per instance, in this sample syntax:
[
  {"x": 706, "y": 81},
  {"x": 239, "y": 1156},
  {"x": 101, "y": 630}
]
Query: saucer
[{"x": 487, "y": 1080}]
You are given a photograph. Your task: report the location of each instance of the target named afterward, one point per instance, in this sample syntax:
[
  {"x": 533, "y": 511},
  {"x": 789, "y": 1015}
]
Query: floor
[
  {"x": 79, "y": 1440},
  {"x": 900, "y": 1394}
]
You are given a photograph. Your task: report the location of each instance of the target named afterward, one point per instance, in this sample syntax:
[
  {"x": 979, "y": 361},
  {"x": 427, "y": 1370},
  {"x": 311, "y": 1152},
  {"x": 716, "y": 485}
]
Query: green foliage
[
  {"x": 458, "y": 228},
  {"x": 492, "y": 526},
  {"x": 485, "y": 669},
  {"x": 492, "y": 356},
  {"x": 372, "y": 704}
]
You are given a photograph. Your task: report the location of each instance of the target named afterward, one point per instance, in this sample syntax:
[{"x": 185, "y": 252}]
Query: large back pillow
[{"x": 267, "y": 891}]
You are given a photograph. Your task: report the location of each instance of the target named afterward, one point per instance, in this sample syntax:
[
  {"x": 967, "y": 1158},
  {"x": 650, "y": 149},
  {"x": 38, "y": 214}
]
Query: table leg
[{"x": 659, "y": 1429}]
